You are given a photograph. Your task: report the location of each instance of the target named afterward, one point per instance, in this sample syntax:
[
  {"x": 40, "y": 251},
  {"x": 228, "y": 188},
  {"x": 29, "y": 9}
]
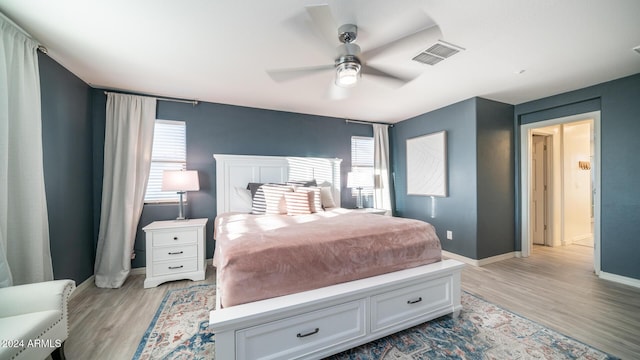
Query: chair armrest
[{"x": 28, "y": 298}]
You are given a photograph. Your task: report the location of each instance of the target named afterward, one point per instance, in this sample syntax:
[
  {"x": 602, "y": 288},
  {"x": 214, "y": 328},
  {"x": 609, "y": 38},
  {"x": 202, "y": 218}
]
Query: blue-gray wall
[
  {"x": 479, "y": 206},
  {"x": 480, "y": 180},
  {"x": 619, "y": 105},
  {"x": 495, "y": 177},
  {"x": 226, "y": 129},
  {"x": 68, "y": 159}
]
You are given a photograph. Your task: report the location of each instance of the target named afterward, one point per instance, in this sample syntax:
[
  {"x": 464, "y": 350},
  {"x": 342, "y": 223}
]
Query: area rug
[{"x": 180, "y": 330}]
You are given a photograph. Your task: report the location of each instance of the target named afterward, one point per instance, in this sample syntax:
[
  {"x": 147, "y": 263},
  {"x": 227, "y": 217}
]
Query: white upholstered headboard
[{"x": 234, "y": 172}]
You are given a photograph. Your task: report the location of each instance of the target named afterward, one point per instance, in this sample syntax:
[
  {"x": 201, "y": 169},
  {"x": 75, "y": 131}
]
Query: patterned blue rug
[{"x": 179, "y": 330}]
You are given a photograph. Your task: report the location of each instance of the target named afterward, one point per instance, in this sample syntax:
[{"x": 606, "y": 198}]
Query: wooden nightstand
[
  {"x": 371, "y": 211},
  {"x": 175, "y": 251}
]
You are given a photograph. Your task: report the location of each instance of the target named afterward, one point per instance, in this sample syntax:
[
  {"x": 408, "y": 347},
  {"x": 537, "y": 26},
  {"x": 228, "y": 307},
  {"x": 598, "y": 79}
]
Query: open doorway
[{"x": 561, "y": 183}]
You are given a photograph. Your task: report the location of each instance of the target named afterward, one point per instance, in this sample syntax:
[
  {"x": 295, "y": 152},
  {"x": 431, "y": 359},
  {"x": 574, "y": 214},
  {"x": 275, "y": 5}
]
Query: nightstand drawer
[
  {"x": 174, "y": 252},
  {"x": 175, "y": 237},
  {"x": 174, "y": 267}
]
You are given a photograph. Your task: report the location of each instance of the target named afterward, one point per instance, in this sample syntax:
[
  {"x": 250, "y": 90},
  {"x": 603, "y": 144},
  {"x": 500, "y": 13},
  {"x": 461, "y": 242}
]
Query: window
[
  {"x": 169, "y": 153},
  {"x": 362, "y": 159}
]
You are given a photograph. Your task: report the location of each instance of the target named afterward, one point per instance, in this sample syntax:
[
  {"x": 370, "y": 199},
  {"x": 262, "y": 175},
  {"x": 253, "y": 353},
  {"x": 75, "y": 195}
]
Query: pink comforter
[{"x": 263, "y": 256}]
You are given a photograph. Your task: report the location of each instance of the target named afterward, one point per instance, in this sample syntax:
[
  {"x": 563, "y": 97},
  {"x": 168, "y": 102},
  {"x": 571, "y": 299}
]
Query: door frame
[{"x": 525, "y": 173}]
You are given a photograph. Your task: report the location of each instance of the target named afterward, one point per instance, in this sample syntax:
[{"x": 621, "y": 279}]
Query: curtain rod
[
  {"x": 366, "y": 122},
  {"x": 192, "y": 102}
]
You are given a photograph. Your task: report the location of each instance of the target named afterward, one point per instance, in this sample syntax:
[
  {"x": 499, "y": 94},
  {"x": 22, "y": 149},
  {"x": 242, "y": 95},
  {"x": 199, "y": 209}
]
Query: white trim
[
  {"x": 480, "y": 262},
  {"x": 83, "y": 286},
  {"x": 620, "y": 279},
  {"x": 525, "y": 170}
]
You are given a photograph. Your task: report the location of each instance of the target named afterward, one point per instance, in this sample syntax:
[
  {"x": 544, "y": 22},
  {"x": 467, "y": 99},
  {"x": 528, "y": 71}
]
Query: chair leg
[{"x": 58, "y": 354}]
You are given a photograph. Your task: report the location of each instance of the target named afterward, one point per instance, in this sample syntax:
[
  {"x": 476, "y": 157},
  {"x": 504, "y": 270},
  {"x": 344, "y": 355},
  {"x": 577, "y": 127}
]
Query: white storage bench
[{"x": 321, "y": 322}]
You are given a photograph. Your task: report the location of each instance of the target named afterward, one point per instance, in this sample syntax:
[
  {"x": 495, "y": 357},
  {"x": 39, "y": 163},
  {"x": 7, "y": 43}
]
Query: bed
[{"x": 311, "y": 284}]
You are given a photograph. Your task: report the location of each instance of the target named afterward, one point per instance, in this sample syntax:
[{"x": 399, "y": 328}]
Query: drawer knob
[
  {"x": 308, "y": 333},
  {"x": 414, "y": 301},
  {"x": 175, "y": 238},
  {"x": 176, "y": 253},
  {"x": 176, "y": 267}
]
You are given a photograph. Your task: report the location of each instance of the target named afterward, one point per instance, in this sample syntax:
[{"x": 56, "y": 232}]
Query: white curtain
[
  {"x": 128, "y": 141},
  {"x": 24, "y": 226},
  {"x": 382, "y": 188}
]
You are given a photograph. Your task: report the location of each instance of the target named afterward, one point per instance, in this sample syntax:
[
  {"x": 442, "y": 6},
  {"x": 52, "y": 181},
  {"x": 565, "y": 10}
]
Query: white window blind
[
  {"x": 169, "y": 153},
  {"x": 362, "y": 159}
]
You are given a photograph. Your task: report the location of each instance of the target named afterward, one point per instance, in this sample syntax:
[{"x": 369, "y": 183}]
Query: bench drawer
[
  {"x": 302, "y": 334},
  {"x": 404, "y": 304}
]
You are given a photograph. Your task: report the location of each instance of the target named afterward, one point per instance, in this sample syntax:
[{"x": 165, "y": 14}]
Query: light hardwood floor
[{"x": 555, "y": 287}]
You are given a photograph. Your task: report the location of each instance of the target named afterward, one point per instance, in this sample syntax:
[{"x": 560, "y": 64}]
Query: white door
[{"x": 539, "y": 190}]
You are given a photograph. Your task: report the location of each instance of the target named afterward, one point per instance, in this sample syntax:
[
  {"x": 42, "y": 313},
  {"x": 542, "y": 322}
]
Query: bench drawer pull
[
  {"x": 414, "y": 301},
  {"x": 309, "y": 333}
]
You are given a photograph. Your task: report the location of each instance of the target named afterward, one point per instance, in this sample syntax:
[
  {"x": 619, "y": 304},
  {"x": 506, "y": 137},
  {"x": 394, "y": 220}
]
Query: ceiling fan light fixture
[{"x": 347, "y": 73}]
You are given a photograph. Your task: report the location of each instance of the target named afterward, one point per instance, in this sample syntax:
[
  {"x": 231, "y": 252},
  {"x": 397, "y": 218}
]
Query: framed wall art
[{"x": 427, "y": 165}]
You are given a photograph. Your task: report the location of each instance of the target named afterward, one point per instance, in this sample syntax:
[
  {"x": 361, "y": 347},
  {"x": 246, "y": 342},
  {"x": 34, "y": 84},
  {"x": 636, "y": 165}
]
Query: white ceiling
[{"x": 219, "y": 51}]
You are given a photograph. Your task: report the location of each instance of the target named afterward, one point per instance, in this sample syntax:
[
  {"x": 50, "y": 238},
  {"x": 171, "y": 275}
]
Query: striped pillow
[
  {"x": 315, "y": 201},
  {"x": 298, "y": 202},
  {"x": 274, "y": 197},
  {"x": 259, "y": 204},
  {"x": 305, "y": 183}
]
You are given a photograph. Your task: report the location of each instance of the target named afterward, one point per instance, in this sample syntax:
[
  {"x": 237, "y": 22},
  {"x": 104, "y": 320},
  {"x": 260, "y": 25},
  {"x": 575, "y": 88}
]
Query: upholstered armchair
[{"x": 33, "y": 319}]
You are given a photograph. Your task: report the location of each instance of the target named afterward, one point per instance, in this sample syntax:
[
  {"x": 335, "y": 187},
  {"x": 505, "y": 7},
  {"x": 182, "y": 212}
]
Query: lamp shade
[
  {"x": 359, "y": 180},
  {"x": 180, "y": 180}
]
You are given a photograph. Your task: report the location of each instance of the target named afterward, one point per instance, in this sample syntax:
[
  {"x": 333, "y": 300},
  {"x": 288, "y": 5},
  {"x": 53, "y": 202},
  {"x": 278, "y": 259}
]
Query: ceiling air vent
[{"x": 436, "y": 53}]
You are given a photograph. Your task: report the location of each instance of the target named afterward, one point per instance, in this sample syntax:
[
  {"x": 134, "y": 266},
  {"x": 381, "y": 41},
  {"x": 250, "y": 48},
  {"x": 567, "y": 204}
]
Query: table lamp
[
  {"x": 180, "y": 181},
  {"x": 359, "y": 180}
]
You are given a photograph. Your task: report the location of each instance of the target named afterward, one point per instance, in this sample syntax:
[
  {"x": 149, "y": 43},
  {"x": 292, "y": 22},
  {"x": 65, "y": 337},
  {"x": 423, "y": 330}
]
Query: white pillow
[
  {"x": 244, "y": 196},
  {"x": 327, "y": 197}
]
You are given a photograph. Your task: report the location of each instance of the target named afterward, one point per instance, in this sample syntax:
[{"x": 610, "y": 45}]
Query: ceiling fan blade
[
  {"x": 385, "y": 77},
  {"x": 282, "y": 75},
  {"x": 324, "y": 22},
  {"x": 419, "y": 39}
]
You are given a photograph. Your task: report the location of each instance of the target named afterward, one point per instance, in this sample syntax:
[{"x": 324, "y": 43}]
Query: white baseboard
[
  {"x": 579, "y": 238},
  {"x": 83, "y": 286},
  {"x": 620, "y": 279},
  {"x": 480, "y": 262},
  {"x": 134, "y": 271}
]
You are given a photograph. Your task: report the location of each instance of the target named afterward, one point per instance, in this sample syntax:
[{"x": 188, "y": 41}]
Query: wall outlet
[{"x": 449, "y": 235}]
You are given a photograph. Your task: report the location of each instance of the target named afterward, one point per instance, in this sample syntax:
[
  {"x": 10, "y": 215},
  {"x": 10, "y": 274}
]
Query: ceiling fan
[{"x": 350, "y": 63}]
